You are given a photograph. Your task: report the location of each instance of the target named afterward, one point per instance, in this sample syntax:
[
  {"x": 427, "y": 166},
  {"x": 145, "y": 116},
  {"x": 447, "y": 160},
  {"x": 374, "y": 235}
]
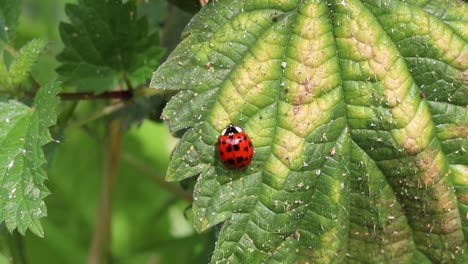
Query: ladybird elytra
[{"x": 235, "y": 148}]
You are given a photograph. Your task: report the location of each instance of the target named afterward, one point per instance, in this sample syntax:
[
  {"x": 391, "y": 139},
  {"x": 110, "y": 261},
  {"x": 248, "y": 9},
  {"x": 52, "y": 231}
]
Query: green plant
[{"x": 356, "y": 108}]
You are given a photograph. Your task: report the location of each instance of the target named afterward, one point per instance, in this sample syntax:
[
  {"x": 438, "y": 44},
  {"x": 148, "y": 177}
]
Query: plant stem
[
  {"x": 146, "y": 170},
  {"x": 100, "y": 247},
  {"x": 13, "y": 245},
  {"x": 98, "y": 114},
  {"x": 125, "y": 95},
  {"x": 10, "y": 49},
  {"x": 75, "y": 96}
]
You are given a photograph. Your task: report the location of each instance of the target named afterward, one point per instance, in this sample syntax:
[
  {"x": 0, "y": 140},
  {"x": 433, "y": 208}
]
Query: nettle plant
[{"x": 357, "y": 110}]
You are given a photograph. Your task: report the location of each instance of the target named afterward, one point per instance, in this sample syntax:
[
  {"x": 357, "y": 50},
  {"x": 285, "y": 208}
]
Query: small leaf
[
  {"x": 23, "y": 132},
  {"x": 104, "y": 41},
  {"x": 9, "y": 13},
  {"x": 27, "y": 57},
  {"x": 357, "y": 112},
  {"x": 22, "y": 64}
]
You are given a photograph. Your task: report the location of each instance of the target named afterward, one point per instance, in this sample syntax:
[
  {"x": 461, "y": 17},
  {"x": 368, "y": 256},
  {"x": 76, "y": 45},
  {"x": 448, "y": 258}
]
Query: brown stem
[
  {"x": 99, "y": 251},
  {"x": 125, "y": 95},
  {"x": 146, "y": 170}
]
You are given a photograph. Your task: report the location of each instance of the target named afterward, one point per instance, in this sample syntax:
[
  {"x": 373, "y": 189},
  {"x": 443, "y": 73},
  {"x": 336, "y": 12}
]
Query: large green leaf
[
  {"x": 357, "y": 111},
  {"x": 24, "y": 130},
  {"x": 105, "y": 41}
]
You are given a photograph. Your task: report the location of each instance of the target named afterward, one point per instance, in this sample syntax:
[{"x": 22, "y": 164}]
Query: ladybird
[{"x": 235, "y": 148}]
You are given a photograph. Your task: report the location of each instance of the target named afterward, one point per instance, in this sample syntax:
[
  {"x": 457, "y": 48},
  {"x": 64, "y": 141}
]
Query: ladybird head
[{"x": 230, "y": 130}]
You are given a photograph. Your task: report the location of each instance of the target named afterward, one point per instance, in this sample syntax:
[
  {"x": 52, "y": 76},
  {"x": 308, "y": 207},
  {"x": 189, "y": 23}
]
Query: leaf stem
[
  {"x": 100, "y": 247},
  {"x": 98, "y": 114},
  {"x": 10, "y": 49}
]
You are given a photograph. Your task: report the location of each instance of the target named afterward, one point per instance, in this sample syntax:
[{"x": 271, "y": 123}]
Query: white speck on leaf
[
  {"x": 10, "y": 165},
  {"x": 12, "y": 193}
]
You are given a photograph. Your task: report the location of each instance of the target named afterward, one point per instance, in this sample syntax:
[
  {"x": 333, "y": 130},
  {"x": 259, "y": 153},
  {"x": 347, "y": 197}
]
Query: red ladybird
[{"x": 235, "y": 147}]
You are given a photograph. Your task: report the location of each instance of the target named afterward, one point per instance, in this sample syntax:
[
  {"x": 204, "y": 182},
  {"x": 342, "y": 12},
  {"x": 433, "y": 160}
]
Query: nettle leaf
[
  {"x": 23, "y": 132},
  {"x": 9, "y": 13},
  {"x": 18, "y": 70},
  {"x": 357, "y": 111},
  {"x": 104, "y": 41}
]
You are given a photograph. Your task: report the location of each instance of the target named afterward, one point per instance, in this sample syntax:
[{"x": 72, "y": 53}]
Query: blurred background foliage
[{"x": 149, "y": 221}]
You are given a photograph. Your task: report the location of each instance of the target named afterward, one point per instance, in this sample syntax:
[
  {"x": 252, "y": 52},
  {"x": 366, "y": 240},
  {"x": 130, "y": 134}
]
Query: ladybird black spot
[
  {"x": 246, "y": 148},
  {"x": 224, "y": 141},
  {"x": 246, "y": 158},
  {"x": 239, "y": 159},
  {"x": 230, "y": 161},
  {"x": 236, "y": 147},
  {"x": 229, "y": 149},
  {"x": 250, "y": 144},
  {"x": 245, "y": 137}
]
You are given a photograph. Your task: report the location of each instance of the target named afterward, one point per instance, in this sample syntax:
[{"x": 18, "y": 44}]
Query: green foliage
[
  {"x": 21, "y": 66},
  {"x": 356, "y": 108},
  {"x": 27, "y": 57},
  {"x": 9, "y": 13},
  {"x": 357, "y": 111},
  {"x": 108, "y": 46},
  {"x": 147, "y": 219},
  {"x": 106, "y": 41},
  {"x": 24, "y": 131}
]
